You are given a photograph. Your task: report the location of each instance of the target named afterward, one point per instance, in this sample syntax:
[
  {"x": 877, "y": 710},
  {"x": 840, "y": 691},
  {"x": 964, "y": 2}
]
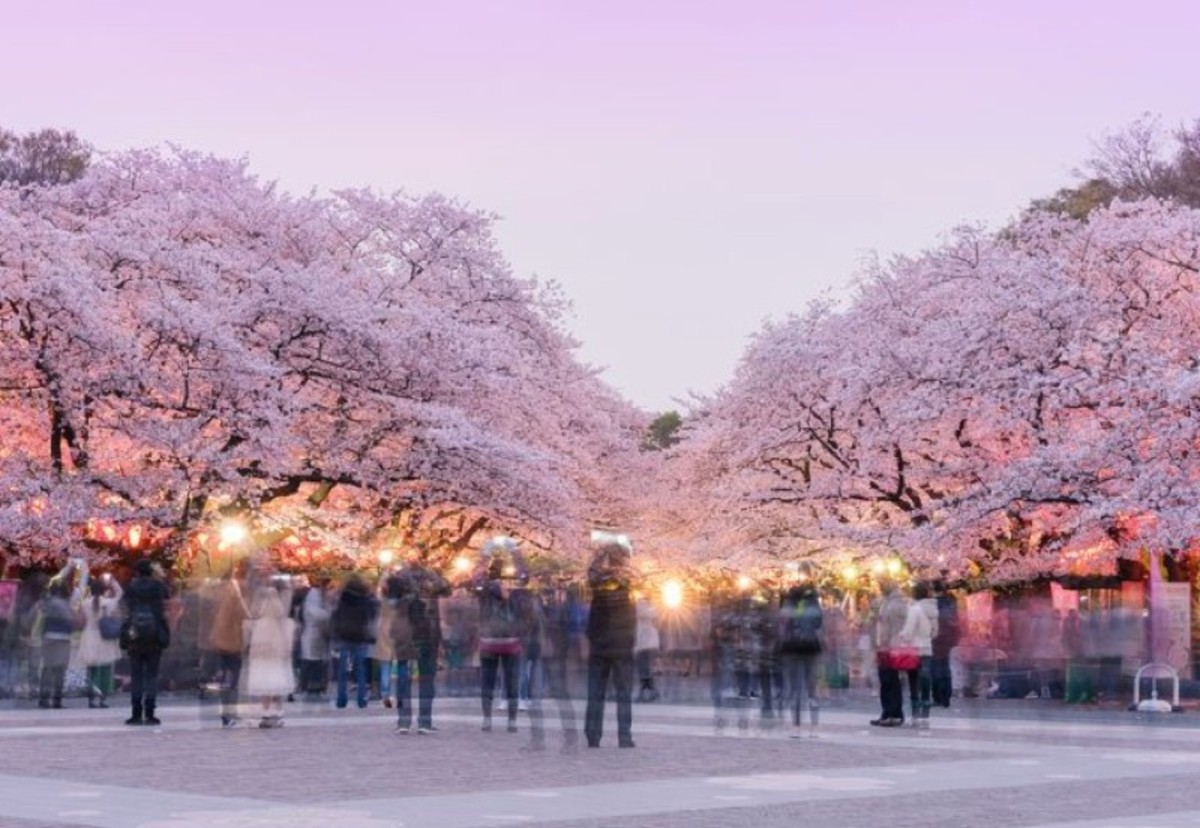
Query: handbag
[
  {"x": 110, "y": 627},
  {"x": 903, "y": 659}
]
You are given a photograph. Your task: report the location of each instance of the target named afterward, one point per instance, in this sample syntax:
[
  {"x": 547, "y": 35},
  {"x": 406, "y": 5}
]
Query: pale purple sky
[{"x": 683, "y": 169}]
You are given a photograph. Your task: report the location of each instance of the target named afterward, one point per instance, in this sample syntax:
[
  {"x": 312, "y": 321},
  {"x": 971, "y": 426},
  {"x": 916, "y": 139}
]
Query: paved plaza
[{"x": 1022, "y": 765}]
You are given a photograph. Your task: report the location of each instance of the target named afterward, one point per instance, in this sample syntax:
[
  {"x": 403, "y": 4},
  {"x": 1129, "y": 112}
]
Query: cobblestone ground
[{"x": 347, "y": 768}]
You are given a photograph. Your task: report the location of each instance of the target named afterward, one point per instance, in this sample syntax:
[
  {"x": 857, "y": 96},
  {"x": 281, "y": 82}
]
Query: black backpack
[
  {"x": 801, "y": 628},
  {"x": 142, "y": 631}
]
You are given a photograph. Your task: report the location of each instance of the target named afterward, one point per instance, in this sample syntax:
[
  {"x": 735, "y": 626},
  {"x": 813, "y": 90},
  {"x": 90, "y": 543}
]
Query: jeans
[
  {"x": 920, "y": 688},
  {"x": 426, "y": 663},
  {"x": 939, "y": 675},
  {"x": 490, "y": 665},
  {"x": 600, "y": 668},
  {"x": 800, "y": 674},
  {"x": 352, "y": 656},
  {"x": 143, "y": 679},
  {"x": 891, "y": 696},
  {"x": 230, "y": 668}
]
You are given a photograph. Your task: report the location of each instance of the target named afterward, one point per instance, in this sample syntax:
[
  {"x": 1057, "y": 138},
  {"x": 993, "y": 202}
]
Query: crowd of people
[{"x": 262, "y": 638}]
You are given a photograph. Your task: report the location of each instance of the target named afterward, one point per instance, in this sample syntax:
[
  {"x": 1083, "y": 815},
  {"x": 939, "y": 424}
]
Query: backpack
[{"x": 801, "y": 628}]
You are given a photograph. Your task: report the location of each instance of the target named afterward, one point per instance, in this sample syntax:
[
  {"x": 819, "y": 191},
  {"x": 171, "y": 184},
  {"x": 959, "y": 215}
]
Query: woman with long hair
[{"x": 98, "y": 649}]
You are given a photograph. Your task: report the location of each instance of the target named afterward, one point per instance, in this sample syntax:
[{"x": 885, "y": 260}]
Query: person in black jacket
[
  {"x": 144, "y": 637},
  {"x": 353, "y": 626},
  {"x": 611, "y": 632}
]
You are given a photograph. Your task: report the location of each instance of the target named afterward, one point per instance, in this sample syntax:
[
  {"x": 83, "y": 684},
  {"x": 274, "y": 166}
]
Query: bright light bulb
[
  {"x": 386, "y": 556},
  {"x": 850, "y": 573},
  {"x": 672, "y": 594},
  {"x": 894, "y": 566},
  {"x": 462, "y": 564},
  {"x": 744, "y": 582},
  {"x": 232, "y": 532}
]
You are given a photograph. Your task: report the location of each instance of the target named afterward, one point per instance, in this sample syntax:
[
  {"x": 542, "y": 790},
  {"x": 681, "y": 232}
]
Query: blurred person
[
  {"x": 499, "y": 625},
  {"x": 226, "y": 638},
  {"x": 98, "y": 647},
  {"x": 353, "y": 626},
  {"x": 723, "y": 635},
  {"x": 554, "y": 673},
  {"x": 530, "y": 611},
  {"x": 800, "y": 647},
  {"x": 891, "y": 613},
  {"x": 383, "y": 658},
  {"x": 428, "y": 587},
  {"x": 57, "y": 626},
  {"x": 612, "y": 631},
  {"x": 646, "y": 647},
  {"x": 144, "y": 637},
  {"x": 920, "y": 627},
  {"x": 459, "y": 631},
  {"x": 269, "y": 675},
  {"x": 756, "y": 631},
  {"x": 313, "y": 617},
  {"x": 944, "y": 640}
]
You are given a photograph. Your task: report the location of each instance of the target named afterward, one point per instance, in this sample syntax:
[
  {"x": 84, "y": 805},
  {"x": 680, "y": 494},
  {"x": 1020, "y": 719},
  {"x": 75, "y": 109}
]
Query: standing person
[
  {"x": 383, "y": 659},
  {"x": 646, "y": 646},
  {"x": 57, "y": 627},
  {"x": 800, "y": 646},
  {"x": 269, "y": 667},
  {"x": 555, "y": 626},
  {"x": 499, "y": 625},
  {"x": 944, "y": 640},
  {"x": 144, "y": 638},
  {"x": 353, "y": 627},
  {"x": 314, "y": 640},
  {"x": 920, "y": 627},
  {"x": 890, "y": 616},
  {"x": 226, "y": 639},
  {"x": 428, "y": 588},
  {"x": 98, "y": 651},
  {"x": 612, "y": 632}
]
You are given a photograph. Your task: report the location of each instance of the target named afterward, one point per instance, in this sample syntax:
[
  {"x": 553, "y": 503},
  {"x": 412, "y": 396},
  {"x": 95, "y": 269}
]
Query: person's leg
[
  {"x": 404, "y": 705},
  {"x": 344, "y": 659},
  {"x": 593, "y": 725},
  {"x": 137, "y": 683},
  {"x": 150, "y": 693},
  {"x": 509, "y": 664},
  {"x": 914, "y": 692},
  {"x": 925, "y": 680},
  {"x": 808, "y": 673},
  {"x": 427, "y": 664},
  {"x": 623, "y": 687},
  {"x": 231, "y": 669},
  {"x": 488, "y": 667},
  {"x": 361, "y": 678}
]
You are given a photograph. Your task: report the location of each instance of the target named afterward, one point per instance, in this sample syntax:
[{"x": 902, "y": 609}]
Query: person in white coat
[
  {"x": 645, "y": 649},
  {"x": 920, "y": 628},
  {"x": 99, "y": 648},
  {"x": 269, "y": 673},
  {"x": 314, "y": 640}
]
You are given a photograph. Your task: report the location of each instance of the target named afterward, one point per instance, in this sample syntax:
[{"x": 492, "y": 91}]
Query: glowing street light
[
  {"x": 386, "y": 556},
  {"x": 462, "y": 564},
  {"x": 232, "y": 533},
  {"x": 744, "y": 582},
  {"x": 672, "y": 595},
  {"x": 894, "y": 566},
  {"x": 850, "y": 573}
]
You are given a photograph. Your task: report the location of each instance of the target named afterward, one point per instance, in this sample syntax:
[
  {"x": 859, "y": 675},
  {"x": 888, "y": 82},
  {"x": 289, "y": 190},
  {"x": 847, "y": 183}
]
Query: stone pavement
[{"x": 327, "y": 767}]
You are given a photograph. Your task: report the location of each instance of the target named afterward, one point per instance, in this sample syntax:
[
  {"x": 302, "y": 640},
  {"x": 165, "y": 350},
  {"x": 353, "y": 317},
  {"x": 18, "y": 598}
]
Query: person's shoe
[
  {"x": 426, "y": 730},
  {"x": 892, "y": 723},
  {"x": 487, "y": 724},
  {"x": 229, "y": 722},
  {"x": 523, "y": 705},
  {"x": 388, "y": 703},
  {"x": 134, "y": 720},
  {"x": 593, "y": 743},
  {"x": 153, "y": 720},
  {"x": 512, "y": 725},
  {"x": 291, "y": 697},
  {"x": 626, "y": 743},
  {"x": 56, "y": 704},
  {"x": 880, "y": 721},
  {"x": 44, "y": 704}
]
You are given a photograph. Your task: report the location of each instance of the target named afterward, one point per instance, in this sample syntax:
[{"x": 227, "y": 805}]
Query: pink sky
[{"x": 683, "y": 169}]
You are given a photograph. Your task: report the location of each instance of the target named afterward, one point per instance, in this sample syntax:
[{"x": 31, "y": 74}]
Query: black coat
[
  {"x": 353, "y": 620},
  {"x": 146, "y": 591},
  {"x": 612, "y": 622}
]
